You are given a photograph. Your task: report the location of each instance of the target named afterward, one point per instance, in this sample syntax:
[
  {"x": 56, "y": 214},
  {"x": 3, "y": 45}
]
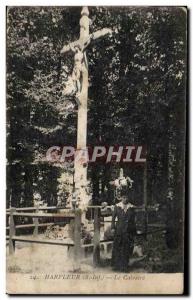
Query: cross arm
[
  {"x": 100, "y": 33},
  {"x": 94, "y": 36},
  {"x": 69, "y": 47}
]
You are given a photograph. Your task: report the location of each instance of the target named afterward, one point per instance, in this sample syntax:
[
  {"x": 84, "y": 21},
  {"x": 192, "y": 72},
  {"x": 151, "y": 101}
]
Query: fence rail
[
  {"x": 41, "y": 241},
  {"x": 67, "y": 214},
  {"x": 23, "y": 226},
  {"x": 39, "y": 208}
]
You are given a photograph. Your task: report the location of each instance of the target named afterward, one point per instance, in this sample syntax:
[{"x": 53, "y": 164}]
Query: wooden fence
[{"x": 66, "y": 215}]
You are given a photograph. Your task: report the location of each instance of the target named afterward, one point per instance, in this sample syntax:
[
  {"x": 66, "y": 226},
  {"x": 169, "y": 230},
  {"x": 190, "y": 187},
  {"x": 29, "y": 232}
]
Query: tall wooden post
[
  {"x": 80, "y": 175},
  {"x": 80, "y": 166}
]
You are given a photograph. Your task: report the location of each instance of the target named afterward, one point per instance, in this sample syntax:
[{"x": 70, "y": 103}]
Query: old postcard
[{"x": 96, "y": 137}]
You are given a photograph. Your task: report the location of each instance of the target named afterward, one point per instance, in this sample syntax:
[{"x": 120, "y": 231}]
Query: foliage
[{"x": 137, "y": 81}]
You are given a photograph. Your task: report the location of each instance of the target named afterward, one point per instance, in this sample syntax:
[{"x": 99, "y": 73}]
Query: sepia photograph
[{"x": 96, "y": 100}]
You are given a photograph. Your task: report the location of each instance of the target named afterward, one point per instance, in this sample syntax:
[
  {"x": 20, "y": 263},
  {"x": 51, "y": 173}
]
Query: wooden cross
[{"x": 80, "y": 45}]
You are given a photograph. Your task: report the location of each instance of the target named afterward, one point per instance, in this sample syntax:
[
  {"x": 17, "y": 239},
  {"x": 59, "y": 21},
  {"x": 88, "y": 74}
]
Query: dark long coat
[{"x": 125, "y": 230}]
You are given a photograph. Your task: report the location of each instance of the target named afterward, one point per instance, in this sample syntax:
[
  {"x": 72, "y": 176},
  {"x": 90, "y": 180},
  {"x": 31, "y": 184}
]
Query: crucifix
[{"x": 78, "y": 84}]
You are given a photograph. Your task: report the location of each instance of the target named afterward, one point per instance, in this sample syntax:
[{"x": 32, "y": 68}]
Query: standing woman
[{"x": 124, "y": 231}]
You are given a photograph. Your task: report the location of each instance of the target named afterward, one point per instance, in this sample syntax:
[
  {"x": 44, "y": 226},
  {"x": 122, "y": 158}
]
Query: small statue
[
  {"x": 121, "y": 184},
  {"x": 78, "y": 67},
  {"x": 74, "y": 83}
]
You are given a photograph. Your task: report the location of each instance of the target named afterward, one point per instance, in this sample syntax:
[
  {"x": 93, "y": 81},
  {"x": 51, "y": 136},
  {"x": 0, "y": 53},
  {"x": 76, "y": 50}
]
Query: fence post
[
  {"x": 36, "y": 222},
  {"x": 11, "y": 231},
  {"x": 96, "y": 238},
  {"x": 77, "y": 239}
]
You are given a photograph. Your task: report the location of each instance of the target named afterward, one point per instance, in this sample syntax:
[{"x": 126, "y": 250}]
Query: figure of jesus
[
  {"x": 74, "y": 84},
  {"x": 78, "y": 68}
]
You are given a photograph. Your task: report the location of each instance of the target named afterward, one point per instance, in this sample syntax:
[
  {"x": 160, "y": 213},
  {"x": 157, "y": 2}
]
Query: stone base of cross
[{"x": 79, "y": 80}]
